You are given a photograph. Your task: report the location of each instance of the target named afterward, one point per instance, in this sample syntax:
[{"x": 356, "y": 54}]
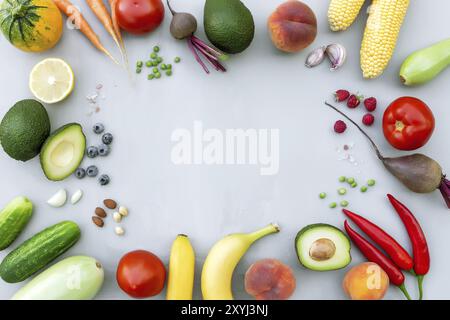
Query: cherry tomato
[
  {"x": 141, "y": 274},
  {"x": 139, "y": 16},
  {"x": 408, "y": 123}
]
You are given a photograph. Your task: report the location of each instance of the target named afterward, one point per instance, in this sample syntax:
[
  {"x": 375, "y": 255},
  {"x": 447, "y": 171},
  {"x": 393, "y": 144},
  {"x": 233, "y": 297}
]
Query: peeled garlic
[
  {"x": 119, "y": 231},
  {"x": 315, "y": 57},
  {"x": 117, "y": 217},
  {"x": 76, "y": 196},
  {"x": 337, "y": 55},
  {"x": 58, "y": 199},
  {"x": 123, "y": 211}
]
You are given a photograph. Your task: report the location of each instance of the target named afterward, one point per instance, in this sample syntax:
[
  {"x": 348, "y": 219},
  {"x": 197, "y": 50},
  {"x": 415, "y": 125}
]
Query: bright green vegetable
[
  {"x": 151, "y": 76},
  {"x": 168, "y": 73},
  {"x": 158, "y": 75},
  {"x": 155, "y": 49},
  {"x": 153, "y": 55},
  {"x": 138, "y": 70},
  {"x": 342, "y": 191},
  {"x": 333, "y": 205},
  {"x": 424, "y": 65},
  {"x": 155, "y": 70},
  {"x": 322, "y": 195},
  {"x": 148, "y": 64},
  {"x": 159, "y": 59},
  {"x": 38, "y": 251},
  {"x": 169, "y": 66},
  {"x": 344, "y": 203},
  {"x": 13, "y": 219},
  {"x": 342, "y": 179},
  {"x": 139, "y": 64},
  {"x": 74, "y": 278},
  {"x": 350, "y": 180},
  {"x": 177, "y": 59},
  {"x": 354, "y": 185},
  {"x": 163, "y": 66},
  {"x": 371, "y": 182},
  {"x": 363, "y": 189}
]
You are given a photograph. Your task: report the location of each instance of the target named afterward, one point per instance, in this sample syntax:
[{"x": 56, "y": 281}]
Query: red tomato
[
  {"x": 139, "y": 16},
  {"x": 408, "y": 123},
  {"x": 141, "y": 274}
]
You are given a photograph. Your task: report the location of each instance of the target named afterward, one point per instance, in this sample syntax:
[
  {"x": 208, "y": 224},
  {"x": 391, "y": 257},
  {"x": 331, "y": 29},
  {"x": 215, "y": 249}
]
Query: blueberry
[
  {"x": 99, "y": 128},
  {"x": 103, "y": 150},
  {"x": 104, "y": 179},
  {"x": 92, "y": 152},
  {"x": 80, "y": 173},
  {"x": 107, "y": 138},
  {"x": 92, "y": 171}
]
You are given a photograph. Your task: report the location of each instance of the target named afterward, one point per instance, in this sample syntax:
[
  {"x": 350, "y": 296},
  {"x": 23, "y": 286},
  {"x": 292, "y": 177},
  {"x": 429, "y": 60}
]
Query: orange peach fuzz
[
  {"x": 366, "y": 281},
  {"x": 292, "y": 26}
]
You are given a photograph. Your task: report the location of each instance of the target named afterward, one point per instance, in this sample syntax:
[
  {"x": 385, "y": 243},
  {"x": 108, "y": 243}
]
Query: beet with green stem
[
  {"x": 183, "y": 26},
  {"x": 417, "y": 172}
]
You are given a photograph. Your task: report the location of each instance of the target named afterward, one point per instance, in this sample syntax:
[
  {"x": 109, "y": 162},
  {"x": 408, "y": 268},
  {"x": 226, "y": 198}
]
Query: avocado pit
[{"x": 322, "y": 249}]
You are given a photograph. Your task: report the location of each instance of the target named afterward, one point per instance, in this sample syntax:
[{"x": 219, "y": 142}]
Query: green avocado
[
  {"x": 228, "y": 25},
  {"x": 24, "y": 129},
  {"x": 63, "y": 151},
  {"x": 322, "y": 247}
]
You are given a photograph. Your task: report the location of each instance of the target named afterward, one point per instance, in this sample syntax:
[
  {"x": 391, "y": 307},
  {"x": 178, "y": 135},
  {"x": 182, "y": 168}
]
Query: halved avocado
[
  {"x": 322, "y": 247},
  {"x": 63, "y": 151}
]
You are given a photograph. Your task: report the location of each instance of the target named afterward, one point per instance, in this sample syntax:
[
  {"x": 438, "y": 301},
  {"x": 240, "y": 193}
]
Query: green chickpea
[
  {"x": 148, "y": 64},
  {"x": 342, "y": 191},
  {"x": 350, "y": 180},
  {"x": 155, "y": 49},
  {"x": 155, "y": 70},
  {"x": 158, "y": 75},
  {"x": 169, "y": 66},
  {"x": 344, "y": 203},
  {"x": 177, "y": 59},
  {"x": 153, "y": 55},
  {"x": 138, "y": 70},
  {"x": 168, "y": 73},
  {"x": 333, "y": 205},
  {"x": 363, "y": 189},
  {"x": 371, "y": 182},
  {"x": 342, "y": 179},
  {"x": 139, "y": 64},
  {"x": 322, "y": 195},
  {"x": 150, "y": 76}
]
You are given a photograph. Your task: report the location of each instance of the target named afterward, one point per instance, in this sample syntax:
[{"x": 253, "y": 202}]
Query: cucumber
[
  {"x": 38, "y": 251},
  {"x": 13, "y": 219},
  {"x": 74, "y": 278}
]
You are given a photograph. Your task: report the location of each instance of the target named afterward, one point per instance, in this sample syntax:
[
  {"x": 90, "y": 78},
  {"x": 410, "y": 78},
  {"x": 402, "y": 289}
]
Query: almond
[
  {"x": 110, "y": 203},
  {"x": 100, "y": 212},
  {"x": 98, "y": 221}
]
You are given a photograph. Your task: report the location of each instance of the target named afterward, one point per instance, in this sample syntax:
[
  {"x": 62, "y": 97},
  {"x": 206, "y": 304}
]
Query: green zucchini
[
  {"x": 13, "y": 219},
  {"x": 74, "y": 278},
  {"x": 38, "y": 251}
]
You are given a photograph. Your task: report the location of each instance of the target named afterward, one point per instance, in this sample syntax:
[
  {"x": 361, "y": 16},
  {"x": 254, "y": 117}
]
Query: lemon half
[{"x": 51, "y": 80}]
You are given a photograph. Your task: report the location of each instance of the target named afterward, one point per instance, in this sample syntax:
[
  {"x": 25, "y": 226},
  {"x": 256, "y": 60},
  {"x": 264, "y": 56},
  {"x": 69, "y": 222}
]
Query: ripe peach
[
  {"x": 292, "y": 26},
  {"x": 269, "y": 279},
  {"x": 366, "y": 281}
]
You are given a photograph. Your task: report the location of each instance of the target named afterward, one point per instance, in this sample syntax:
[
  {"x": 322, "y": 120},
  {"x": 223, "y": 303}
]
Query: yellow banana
[
  {"x": 181, "y": 269},
  {"x": 222, "y": 260}
]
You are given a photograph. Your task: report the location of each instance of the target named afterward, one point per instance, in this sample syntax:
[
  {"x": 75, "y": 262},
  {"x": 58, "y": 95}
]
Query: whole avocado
[
  {"x": 24, "y": 129},
  {"x": 228, "y": 25}
]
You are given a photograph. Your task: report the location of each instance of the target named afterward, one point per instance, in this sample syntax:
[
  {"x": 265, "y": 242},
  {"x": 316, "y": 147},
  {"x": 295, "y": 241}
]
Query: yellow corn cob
[
  {"x": 342, "y": 13},
  {"x": 380, "y": 37}
]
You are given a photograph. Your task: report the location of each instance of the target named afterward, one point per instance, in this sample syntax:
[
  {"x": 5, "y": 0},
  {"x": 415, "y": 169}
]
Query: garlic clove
[
  {"x": 337, "y": 54},
  {"x": 58, "y": 199},
  {"x": 123, "y": 211},
  {"x": 119, "y": 231},
  {"x": 117, "y": 217},
  {"x": 76, "y": 196},
  {"x": 315, "y": 57}
]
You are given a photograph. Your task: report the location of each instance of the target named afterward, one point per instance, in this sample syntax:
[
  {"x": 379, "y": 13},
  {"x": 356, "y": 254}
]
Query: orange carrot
[
  {"x": 116, "y": 27},
  {"x": 80, "y": 23},
  {"x": 102, "y": 14}
]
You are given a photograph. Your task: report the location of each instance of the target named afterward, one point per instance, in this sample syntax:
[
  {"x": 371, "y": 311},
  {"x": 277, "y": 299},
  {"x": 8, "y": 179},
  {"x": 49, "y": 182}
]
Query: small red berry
[
  {"x": 341, "y": 95},
  {"x": 368, "y": 119},
  {"x": 370, "y": 104},
  {"x": 353, "y": 101},
  {"x": 340, "y": 126}
]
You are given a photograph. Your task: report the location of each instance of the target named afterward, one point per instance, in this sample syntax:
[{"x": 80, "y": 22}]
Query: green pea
[
  {"x": 158, "y": 75},
  {"x": 155, "y": 70},
  {"x": 169, "y": 66},
  {"x": 139, "y": 64},
  {"x": 177, "y": 59},
  {"x": 168, "y": 73},
  {"x": 150, "y": 76},
  {"x": 322, "y": 195},
  {"x": 354, "y": 185},
  {"x": 159, "y": 59},
  {"x": 342, "y": 191},
  {"x": 148, "y": 64},
  {"x": 350, "y": 180},
  {"x": 155, "y": 49},
  {"x": 342, "y": 179},
  {"x": 363, "y": 189},
  {"x": 333, "y": 205},
  {"x": 138, "y": 70},
  {"x": 344, "y": 203},
  {"x": 163, "y": 67},
  {"x": 154, "y": 55},
  {"x": 371, "y": 182}
]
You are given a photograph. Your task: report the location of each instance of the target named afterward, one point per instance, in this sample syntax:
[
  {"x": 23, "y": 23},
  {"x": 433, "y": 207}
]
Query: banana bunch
[{"x": 382, "y": 29}]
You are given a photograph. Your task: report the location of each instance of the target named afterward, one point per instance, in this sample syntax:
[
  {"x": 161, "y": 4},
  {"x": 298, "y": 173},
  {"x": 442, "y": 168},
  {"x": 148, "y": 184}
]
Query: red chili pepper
[
  {"x": 419, "y": 242},
  {"x": 374, "y": 255},
  {"x": 393, "y": 249}
]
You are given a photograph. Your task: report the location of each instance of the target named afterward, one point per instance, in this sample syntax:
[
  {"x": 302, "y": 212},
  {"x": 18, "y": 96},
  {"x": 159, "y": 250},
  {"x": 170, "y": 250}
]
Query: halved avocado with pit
[
  {"x": 63, "y": 151},
  {"x": 323, "y": 247}
]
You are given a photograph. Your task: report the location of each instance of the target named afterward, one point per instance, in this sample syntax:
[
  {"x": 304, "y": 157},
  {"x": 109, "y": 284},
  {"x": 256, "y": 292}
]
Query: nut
[
  {"x": 98, "y": 221},
  {"x": 123, "y": 211},
  {"x": 117, "y": 217},
  {"x": 119, "y": 231},
  {"x": 110, "y": 203},
  {"x": 100, "y": 212},
  {"x": 322, "y": 249}
]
